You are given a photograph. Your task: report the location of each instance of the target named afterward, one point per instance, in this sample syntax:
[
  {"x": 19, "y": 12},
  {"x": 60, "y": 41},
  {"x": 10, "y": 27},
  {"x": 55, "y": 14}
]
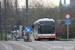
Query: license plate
[{"x": 46, "y": 37}]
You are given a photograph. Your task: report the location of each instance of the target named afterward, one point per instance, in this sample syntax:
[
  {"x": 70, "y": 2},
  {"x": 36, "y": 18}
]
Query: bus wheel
[
  {"x": 52, "y": 39},
  {"x": 25, "y": 40},
  {"x": 39, "y": 39},
  {"x": 36, "y": 39}
]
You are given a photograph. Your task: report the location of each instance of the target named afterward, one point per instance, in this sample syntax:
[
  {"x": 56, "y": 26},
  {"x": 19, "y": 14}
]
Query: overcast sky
[{"x": 46, "y": 2}]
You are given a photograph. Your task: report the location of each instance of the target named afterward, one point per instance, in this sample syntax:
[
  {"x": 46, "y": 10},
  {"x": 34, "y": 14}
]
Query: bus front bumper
[{"x": 46, "y": 36}]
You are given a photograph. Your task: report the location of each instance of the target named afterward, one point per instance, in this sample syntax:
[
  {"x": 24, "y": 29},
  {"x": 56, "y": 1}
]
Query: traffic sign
[
  {"x": 27, "y": 29},
  {"x": 67, "y": 22},
  {"x": 67, "y": 16}
]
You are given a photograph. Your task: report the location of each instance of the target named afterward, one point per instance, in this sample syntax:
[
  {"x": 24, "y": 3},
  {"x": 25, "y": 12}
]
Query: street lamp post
[
  {"x": 0, "y": 21},
  {"x": 5, "y": 21}
]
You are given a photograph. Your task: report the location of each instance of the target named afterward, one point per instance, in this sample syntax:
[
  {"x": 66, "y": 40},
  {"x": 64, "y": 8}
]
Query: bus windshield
[{"x": 46, "y": 27}]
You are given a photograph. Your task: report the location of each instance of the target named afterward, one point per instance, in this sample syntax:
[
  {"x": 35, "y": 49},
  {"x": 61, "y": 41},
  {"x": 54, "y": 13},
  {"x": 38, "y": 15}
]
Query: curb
[{"x": 63, "y": 40}]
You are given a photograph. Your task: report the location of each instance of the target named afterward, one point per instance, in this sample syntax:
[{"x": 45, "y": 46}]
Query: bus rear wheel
[
  {"x": 37, "y": 39},
  {"x": 52, "y": 39}
]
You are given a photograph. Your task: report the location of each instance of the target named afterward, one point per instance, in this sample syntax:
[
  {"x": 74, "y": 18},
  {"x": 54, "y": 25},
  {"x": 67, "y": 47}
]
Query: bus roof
[{"x": 44, "y": 19}]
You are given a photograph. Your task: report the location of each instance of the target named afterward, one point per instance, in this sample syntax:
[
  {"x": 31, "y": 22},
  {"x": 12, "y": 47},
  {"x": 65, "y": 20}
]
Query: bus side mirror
[{"x": 32, "y": 26}]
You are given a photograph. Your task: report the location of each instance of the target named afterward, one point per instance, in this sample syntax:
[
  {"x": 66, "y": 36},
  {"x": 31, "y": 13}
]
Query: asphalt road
[{"x": 37, "y": 45}]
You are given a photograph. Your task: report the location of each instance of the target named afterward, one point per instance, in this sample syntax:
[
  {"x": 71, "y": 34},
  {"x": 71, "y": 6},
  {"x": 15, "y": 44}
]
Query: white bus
[{"x": 44, "y": 29}]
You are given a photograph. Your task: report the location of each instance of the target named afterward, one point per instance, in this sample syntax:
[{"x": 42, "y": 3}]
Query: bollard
[{"x": 13, "y": 38}]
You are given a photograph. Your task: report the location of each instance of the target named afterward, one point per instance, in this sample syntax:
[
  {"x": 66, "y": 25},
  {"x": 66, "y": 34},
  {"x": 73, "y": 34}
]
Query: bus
[{"x": 44, "y": 29}]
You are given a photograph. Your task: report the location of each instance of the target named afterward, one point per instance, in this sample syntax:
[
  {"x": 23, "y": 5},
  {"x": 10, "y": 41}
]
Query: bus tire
[
  {"x": 52, "y": 39},
  {"x": 39, "y": 39},
  {"x": 36, "y": 40}
]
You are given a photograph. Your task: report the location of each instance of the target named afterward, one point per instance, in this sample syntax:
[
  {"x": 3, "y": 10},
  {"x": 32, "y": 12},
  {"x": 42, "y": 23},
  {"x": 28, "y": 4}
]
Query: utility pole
[
  {"x": 5, "y": 21},
  {"x": 16, "y": 6},
  {"x": 0, "y": 21},
  {"x": 27, "y": 15},
  {"x": 15, "y": 17},
  {"x": 27, "y": 19}
]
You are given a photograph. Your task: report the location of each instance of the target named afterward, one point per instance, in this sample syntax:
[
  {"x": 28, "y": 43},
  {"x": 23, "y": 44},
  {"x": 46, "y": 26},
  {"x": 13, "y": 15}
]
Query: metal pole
[
  {"x": 27, "y": 15},
  {"x": 0, "y": 21},
  {"x": 55, "y": 24},
  {"x": 16, "y": 32},
  {"x": 5, "y": 21},
  {"x": 27, "y": 18},
  {"x": 67, "y": 28},
  {"x": 67, "y": 31},
  {"x": 15, "y": 18}
]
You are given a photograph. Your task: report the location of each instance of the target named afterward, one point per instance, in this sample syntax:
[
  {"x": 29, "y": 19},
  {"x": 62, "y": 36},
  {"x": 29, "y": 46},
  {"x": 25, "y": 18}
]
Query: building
[
  {"x": 64, "y": 1},
  {"x": 60, "y": 3},
  {"x": 72, "y": 2},
  {"x": 63, "y": 5}
]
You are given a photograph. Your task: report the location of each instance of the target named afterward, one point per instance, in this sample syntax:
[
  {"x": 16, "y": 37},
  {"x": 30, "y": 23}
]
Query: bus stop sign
[{"x": 27, "y": 29}]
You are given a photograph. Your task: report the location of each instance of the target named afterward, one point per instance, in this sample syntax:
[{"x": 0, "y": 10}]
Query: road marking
[
  {"x": 10, "y": 48},
  {"x": 23, "y": 46},
  {"x": 68, "y": 46},
  {"x": 72, "y": 42},
  {"x": 46, "y": 45},
  {"x": 65, "y": 43},
  {"x": 60, "y": 43},
  {"x": 64, "y": 47},
  {"x": 7, "y": 46}
]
